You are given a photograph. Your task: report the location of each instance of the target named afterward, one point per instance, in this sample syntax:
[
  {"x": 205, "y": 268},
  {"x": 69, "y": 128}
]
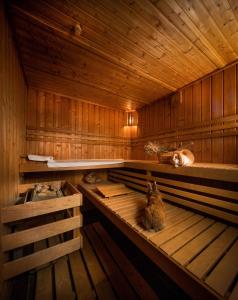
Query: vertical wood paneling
[
  {"x": 230, "y": 109},
  {"x": 191, "y": 112},
  {"x": 12, "y": 119},
  {"x": 206, "y": 116},
  {"x": 217, "y": 112},
  {"x": 66, "y": 128},
  {"x": 188, "y": 106},
  {"x": 197, "y": 116}
]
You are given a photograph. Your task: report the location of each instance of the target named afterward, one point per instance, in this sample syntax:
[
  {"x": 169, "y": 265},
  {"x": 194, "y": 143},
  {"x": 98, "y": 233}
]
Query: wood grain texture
[
  {"x": 129, "y": 53},
  {"x": 187, "y": 235},
  {"x": 204, "y": 112},
  {"x": 69, "y": 129},
  {"x": 12, "y": 119}
]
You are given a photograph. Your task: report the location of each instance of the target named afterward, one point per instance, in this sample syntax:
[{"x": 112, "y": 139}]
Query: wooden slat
[
  {"x": 166, "y": 235},
  {"x": 63, "y": 285},
  {"x": 25, "y": 237},
  {"x": 13, "y": 268},
  {"x": 118, "y": 281},
  {"x": 44, "y": 282},
  {"x": 113, "y": 190},
  {"x": 194, "y": 205},
  {"x": 190, "y": 186},
  {"x": 190, "y": 195},
  {"x": 234, "y": 293},
  {"x": 194, "y": 287},
  {"x": 100, "y": 281},
  {"x": 179, "y": 241},
  {"x": 204, "y": 262},
  {"x": 33, "y": 209},
  {"x": 222, "y": 276},
  {"x": 44, "y": 276},
  {"x": 80, "y": 277},
  {"x": 190, "y": 250},
  {"x": 141, "y": 287}
]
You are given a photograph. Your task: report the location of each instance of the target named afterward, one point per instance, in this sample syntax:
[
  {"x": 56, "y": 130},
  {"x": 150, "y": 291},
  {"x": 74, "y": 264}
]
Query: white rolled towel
[{"x": 40, "y": 157}]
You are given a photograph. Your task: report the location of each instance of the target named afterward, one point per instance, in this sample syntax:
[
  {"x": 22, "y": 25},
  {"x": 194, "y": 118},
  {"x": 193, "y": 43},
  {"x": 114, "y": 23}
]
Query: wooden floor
[
  {"x": 203, "y": 247},
  {"x": 99, "y": 270}
]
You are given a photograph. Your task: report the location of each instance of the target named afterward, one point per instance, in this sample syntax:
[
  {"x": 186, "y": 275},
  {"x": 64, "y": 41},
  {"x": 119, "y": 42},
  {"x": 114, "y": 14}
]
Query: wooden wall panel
[
  {"x": 12, "y": 120},
  {"x": 69, "y": 129},
  {"x": 205, "y": 112}
]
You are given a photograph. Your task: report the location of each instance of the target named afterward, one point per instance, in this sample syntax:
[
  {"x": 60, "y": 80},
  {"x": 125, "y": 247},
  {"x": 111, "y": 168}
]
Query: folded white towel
[
  {"x": 82, "y": 163},
  {"x": 40, "y": 157}
]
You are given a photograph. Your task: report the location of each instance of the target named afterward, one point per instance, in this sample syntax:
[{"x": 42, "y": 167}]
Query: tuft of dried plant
[{"x": 155, "y": 148}]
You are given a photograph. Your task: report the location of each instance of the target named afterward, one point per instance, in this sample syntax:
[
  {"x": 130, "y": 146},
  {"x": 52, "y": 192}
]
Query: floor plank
[
  {"x": 117, "y": 279},
  {"x": 143, "y": 290},
  {"x": 102, "y": 285},
  {"x": 82, "y": 285},
  {"x": 234, "y": 293}
]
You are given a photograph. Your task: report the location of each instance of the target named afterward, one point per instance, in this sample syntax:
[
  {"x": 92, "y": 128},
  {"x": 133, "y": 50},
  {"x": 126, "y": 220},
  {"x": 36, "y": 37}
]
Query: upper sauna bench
[{"x": 223, "y": 172}]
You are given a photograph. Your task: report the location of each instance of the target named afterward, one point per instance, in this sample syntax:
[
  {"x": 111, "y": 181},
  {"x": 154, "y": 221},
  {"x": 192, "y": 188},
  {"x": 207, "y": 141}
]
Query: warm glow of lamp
[{"x": 131, "y": 118}]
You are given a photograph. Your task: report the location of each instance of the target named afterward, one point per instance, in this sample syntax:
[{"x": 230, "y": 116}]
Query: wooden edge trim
[{"x": 230, "y": 175}]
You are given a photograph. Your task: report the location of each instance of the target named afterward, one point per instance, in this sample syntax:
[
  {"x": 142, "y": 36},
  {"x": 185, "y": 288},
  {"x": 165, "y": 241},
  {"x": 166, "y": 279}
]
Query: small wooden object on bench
[{"x": 113, "y": 189}]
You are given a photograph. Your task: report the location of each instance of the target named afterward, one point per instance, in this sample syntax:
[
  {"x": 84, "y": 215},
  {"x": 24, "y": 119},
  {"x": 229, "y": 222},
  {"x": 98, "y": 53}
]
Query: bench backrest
[{"x": 212, "y": 197}]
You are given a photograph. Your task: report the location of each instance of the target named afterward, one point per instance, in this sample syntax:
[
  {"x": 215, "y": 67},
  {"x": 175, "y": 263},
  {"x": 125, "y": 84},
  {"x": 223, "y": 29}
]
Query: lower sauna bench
[
  {"x": 198, "y": 252},
  {"x": 99, "y": 270}
]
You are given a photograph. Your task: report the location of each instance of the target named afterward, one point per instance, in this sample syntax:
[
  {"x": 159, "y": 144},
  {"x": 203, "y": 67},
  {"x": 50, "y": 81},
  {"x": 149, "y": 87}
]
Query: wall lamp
[{"x": 131, "y": 118}]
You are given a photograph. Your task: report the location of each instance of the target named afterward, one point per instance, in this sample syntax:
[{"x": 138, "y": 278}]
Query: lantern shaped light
[{"x": 131, "y": 118}]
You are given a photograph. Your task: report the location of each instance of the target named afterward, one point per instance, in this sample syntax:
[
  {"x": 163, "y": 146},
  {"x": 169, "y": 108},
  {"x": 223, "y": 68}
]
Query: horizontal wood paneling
[
  {"x": 204, "y": 112},
  {"x": 69, "y": 129},
  {"x": 12, "y": 121}
]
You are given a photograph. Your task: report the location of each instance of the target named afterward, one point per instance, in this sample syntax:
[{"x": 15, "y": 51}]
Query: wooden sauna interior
[{"x": 72, "y": 76}]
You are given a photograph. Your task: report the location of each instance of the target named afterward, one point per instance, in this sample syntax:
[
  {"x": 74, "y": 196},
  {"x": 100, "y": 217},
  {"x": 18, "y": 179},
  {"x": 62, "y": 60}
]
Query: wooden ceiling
[{"x": 130, "y": 52}]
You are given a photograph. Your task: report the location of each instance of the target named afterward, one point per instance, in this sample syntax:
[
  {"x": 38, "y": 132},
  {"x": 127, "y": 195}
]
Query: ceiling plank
[{"x": 84, "y": 43}]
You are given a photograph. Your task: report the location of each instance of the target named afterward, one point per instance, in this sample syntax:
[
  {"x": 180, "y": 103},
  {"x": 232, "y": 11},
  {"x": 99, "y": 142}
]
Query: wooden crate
[{"x": 44, "y": 222}]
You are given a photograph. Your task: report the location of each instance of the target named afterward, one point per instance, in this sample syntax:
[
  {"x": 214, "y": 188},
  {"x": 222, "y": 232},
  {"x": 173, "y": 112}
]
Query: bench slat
[
  {"x": 191, "y": 195},
  {"x": 226, "y": 269},
  {"x": 179, "y": 241},
  {"x": 190, "y": 186},
  {"x": 190, "y": 250},
  {"x": 204, "y": 262},
  {"x": 169, "y": 233}
]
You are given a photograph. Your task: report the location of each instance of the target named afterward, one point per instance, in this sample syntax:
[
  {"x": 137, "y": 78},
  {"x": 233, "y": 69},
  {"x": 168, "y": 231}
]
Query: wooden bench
[
  {"x": 197, "y": 251},
  {"x": 99, "y": 270}
]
